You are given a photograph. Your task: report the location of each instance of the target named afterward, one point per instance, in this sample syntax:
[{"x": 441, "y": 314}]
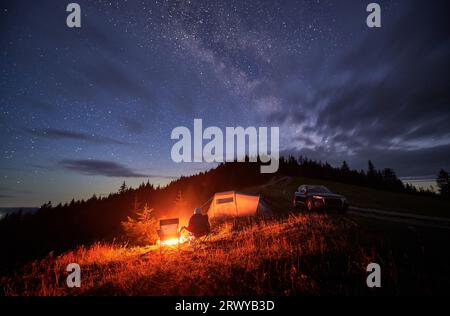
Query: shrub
[{"x": 141, "y": 231}]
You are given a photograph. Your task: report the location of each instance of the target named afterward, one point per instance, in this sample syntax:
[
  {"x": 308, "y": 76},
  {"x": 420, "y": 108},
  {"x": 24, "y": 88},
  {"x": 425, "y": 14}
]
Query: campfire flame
[
  {"x": 170, "y": 242},
  {"x": 175, "y": 241}
]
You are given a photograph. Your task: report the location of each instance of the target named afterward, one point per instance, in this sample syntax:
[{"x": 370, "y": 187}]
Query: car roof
[{"x": 310, "y": 186}]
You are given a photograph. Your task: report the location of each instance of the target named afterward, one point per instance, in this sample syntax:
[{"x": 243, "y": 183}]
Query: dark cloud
[
  {"x": 101, "y": 167},
  {"x": 385, "y": 97},
  {"x": 53, "y": 133},
  {"x": 105, "y": 168},
  {"x": 306, "y": 140},
  {"x": 9, "y": 190},
  {"x": 418, "y": 162},
  {"x": 423, "y": 161},
  {"x": 113, "y": 79}
]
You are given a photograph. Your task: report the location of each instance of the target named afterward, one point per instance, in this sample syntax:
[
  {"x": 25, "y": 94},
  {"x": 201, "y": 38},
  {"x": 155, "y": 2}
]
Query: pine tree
[
  {"x": 389, "y": 176},
  {"x": 123, "y": 188},
  {"x": 443, "y": 183},
  {"x": 142, "y": 231},
  {"x": 345, "y": 168},
  {"x": 371, "y": 171}
]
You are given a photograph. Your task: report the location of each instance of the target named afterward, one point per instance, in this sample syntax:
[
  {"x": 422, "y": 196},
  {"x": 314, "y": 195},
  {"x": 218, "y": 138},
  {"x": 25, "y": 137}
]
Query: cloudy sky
[{"x": 83, "y": 109}]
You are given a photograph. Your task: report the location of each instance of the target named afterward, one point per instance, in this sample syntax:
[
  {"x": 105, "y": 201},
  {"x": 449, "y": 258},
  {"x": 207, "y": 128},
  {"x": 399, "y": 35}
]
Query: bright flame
[
  {"x": 175, "y": 241},
  {"x": 170, "y": 242}
]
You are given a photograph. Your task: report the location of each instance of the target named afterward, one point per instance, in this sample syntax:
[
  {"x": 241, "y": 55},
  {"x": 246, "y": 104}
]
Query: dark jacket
[{"x": 199, "y": 225}]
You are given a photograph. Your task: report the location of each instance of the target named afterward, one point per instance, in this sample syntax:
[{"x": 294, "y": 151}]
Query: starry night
[{"x": 197, "y": 132}]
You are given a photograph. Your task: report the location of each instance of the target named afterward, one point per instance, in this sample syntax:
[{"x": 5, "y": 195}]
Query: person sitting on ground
[{"x": 198, "y": 224}]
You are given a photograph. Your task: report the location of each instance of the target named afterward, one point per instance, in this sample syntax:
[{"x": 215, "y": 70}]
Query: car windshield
[{"x": 319, "y": 189}]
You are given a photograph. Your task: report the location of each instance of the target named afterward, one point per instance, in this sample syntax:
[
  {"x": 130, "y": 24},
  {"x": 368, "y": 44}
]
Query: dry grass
[{"x": 305, "y": 254}]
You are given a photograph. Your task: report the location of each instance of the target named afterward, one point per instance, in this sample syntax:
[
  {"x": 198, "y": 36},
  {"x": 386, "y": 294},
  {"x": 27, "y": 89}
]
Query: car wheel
[{"x": 309, "y": 205}]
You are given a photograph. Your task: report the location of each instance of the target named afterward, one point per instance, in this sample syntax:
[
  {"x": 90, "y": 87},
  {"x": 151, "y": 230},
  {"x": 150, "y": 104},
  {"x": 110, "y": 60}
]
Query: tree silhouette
[
  {"x": 389, "y": 176},
  {"x": 123, "y": 188},
  {"x": 371, "y": 171},
  {"x": 443, "y": 183},
  {"x": 345, "y": 168}
]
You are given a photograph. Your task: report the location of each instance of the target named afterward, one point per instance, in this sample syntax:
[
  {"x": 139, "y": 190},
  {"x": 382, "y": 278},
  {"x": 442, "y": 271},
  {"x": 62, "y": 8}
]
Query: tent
[{"x": 233, "y": 204}]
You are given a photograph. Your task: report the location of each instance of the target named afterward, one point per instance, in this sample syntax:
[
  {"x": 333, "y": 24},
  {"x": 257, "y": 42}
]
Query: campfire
[
  {"x": 169, "y": 242},
  {"x": 169, "y": 234},
  {"x": 174, "y": 241}
]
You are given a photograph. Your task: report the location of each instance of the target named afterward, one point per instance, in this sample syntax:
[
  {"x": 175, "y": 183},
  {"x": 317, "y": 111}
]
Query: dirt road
[{"x": 404, "y": 218}]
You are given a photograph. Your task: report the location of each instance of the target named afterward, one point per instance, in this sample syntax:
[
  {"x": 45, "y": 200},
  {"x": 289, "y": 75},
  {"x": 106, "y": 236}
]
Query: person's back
[{"x": 199, "y": 225}]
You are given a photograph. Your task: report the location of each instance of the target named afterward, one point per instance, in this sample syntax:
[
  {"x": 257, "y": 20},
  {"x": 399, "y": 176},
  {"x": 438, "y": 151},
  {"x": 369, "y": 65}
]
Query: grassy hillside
[
  {"x": 303, "y": 254},
  {"x": 63, "y": 227},
  {"x": 290, "y": 254}
]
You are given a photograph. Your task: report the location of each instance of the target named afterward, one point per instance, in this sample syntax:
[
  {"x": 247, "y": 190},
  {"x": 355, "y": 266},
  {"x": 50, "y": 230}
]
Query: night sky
[{"x": 83, "y": 109}]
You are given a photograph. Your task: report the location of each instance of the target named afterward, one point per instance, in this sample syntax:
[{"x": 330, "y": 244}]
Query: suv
[{"x": 318, "y": 197}]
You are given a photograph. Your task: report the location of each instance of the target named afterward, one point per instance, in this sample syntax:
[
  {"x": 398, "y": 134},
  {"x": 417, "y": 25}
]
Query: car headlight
[{"x": 317, "y": 197}]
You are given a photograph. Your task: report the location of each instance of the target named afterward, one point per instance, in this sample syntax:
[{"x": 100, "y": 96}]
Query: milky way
[{"x": 83, "y": 109}]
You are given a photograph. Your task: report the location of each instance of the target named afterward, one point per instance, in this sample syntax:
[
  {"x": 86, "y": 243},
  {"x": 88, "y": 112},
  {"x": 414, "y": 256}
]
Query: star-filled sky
[{"x": 83, "y": 109}]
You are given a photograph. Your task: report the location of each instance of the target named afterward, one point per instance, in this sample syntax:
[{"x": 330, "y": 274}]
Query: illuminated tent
[{"x": 233, "y": 204}]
